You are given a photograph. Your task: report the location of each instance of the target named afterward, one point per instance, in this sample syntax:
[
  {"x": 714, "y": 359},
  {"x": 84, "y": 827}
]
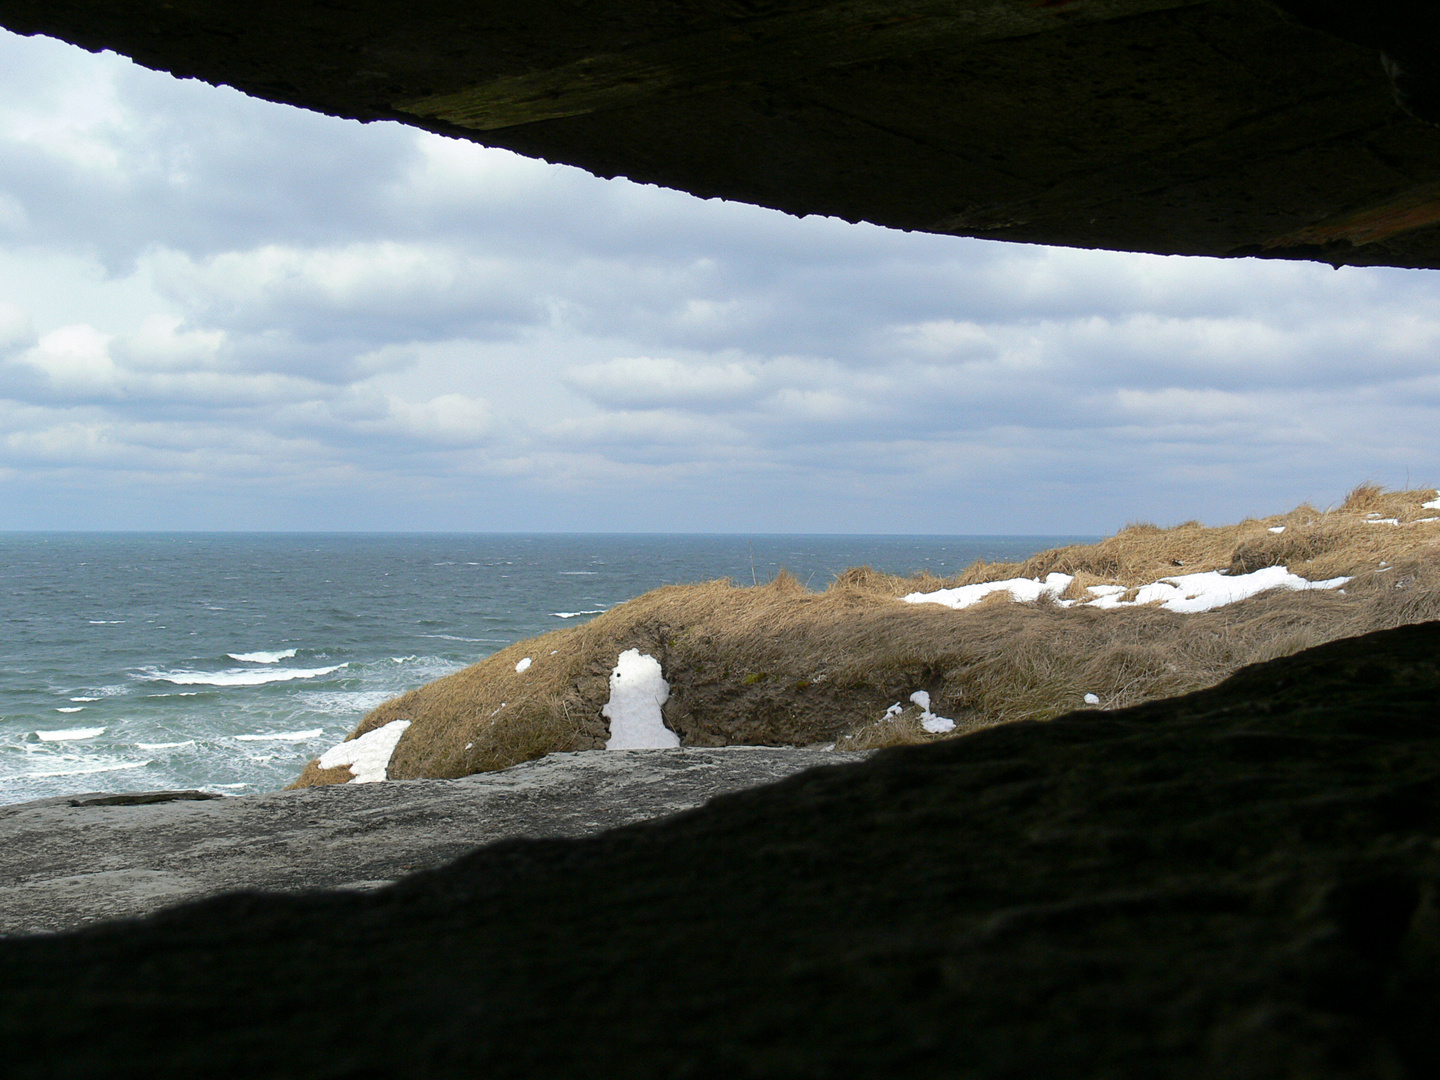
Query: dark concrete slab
[
  {"x": 63, "y": 865},
  {"x": 1205, "y": 127}
]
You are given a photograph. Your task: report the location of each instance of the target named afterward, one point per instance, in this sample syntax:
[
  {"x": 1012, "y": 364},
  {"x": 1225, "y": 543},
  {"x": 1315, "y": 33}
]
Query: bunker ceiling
[{"x": 1207, "y": 127}]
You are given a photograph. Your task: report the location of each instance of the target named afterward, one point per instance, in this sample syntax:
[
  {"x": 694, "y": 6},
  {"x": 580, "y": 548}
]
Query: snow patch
[
  {"x": 637, "y": 690},
  {"x": 523, "y": 665},
  {"x": 1092, "y": 699},
  {"x": 1184, "y": 593},
  {"x": 369, "y": 755},
  {"x": 936, "y": 725},
  {"x": 1433, "y": 504},
  {"x": 1276, "y": 529},
  {"x": 1022, "y": 589}
]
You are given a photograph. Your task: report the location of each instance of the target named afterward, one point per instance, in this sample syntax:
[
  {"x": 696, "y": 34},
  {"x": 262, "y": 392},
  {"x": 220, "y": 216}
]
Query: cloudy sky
[{"x": 218, "y": 313}]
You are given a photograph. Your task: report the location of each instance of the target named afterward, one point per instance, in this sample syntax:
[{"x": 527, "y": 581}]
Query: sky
[{"x": 219, "y": 313}]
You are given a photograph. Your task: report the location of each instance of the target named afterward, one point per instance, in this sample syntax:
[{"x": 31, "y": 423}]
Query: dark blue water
[{"x": 226, "y": 661}]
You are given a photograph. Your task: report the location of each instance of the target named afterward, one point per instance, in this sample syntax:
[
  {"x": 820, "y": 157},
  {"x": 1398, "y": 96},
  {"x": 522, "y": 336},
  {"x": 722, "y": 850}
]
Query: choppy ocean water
[{"x": 133, "y": 662}]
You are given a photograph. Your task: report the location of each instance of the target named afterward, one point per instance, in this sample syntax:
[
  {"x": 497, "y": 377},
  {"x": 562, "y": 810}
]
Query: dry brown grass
[{"x": 779, "y": 665}]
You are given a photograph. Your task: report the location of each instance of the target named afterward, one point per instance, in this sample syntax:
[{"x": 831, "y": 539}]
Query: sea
[{"x": 226, "y": 661}]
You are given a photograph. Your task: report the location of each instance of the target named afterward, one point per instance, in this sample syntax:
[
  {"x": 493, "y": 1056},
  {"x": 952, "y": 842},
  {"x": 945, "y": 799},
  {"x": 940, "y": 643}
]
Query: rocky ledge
[
  {"x": 69, "y": 861},
  {"x": 1241, "y": 882}
]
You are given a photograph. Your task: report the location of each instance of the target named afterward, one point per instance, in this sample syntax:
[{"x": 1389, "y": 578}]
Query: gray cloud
[{"x": 216, "y": 312}]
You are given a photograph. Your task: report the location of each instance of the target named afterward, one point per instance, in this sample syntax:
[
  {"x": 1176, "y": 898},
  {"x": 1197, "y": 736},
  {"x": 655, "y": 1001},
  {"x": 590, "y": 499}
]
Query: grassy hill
[{"x": 777, "y": 664}]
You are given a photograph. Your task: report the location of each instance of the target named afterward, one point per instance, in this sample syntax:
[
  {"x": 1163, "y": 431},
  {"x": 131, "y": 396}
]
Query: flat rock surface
[
  {"x": 68, "y": 861},
  {"x": 1240, "y": 883}
]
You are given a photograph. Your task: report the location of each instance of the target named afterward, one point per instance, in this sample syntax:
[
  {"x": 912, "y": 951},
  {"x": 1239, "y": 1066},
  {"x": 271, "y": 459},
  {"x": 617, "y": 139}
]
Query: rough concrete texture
[
  {"x": 68, "y": 861},
  {"x": 1207, "y": 127},
  {"x": 1244, "y": 882}
]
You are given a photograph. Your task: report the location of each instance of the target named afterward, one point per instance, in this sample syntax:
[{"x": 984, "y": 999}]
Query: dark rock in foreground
[
  {"x": 1239, "y": 883},
  {"x": 72, "y": 860}
]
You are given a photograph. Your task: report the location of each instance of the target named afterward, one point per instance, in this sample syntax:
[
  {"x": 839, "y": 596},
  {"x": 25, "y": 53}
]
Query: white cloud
[
  {"x": 638, "y": 433},
  {"x": 162, "y": 343},
  {"x": 15, "y": 328},
  {"x": 76, "y": 359},
  {"x": 230, "y": 312},
  {"x": 645, "y": 381},
  {"x": 449, "y": 418}
]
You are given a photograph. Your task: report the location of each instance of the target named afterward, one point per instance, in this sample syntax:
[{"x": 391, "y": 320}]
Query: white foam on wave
[
  {"x": 106, "y": 622},
  {"x": 84, "y": 699},
  {"x": 244, "y": 677},
  {"x": 164, "y": 745},
  {"x": 261, "y": 657},
  {"x": 283, "y": 736},
  {"x": 574, "y": 614},
  {"x": 452, "y": 637},
  {"x": 344, "y": 702},
  {"x": 69, "y": 734},
  {"x": 84, "y": 770},
  {"x": 70, "y": 708},
  {"x": 579, "y": 573}
]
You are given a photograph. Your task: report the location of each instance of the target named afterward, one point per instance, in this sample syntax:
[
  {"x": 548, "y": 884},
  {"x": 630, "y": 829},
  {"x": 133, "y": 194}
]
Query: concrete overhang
[{"x": 1201, "y": 127}]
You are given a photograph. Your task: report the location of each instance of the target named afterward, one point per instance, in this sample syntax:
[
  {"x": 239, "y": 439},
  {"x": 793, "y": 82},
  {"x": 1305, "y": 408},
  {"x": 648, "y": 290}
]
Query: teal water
[{"x": 132, "y": 662}]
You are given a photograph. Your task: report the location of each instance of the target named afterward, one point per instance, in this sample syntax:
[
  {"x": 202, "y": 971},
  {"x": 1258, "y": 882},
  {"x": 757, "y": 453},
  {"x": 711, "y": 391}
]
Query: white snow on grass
[
  {"x": 1092, "y": 699},
  {"x": 1276, "y": 529},
  {"x": 1023, "y": 589},
  {"x": 369, "y": 755},
  {"x": 1433, "y": 504},
  {"x": 69, "y": 734},
  {"x": 261, "y": 657},
  {"x": 1381, "y": 521},
  {"x": 936, "y": 725},
  {"x": 637, "y": 690},
  {"x": 522, "y": 666},
  {"x": 1184, "y": 593}
]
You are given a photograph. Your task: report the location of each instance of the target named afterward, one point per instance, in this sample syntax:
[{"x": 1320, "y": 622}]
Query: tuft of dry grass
[{"x": 776, "y": 664}]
